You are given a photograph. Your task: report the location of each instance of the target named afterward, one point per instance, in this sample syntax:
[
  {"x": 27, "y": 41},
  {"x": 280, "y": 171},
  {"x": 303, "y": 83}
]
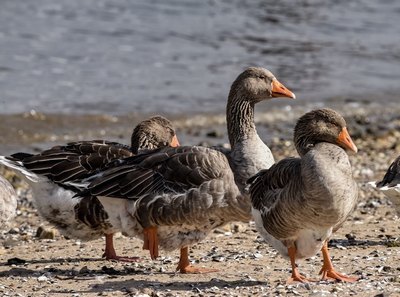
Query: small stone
[
  {"x": 257, "y": 255},
  {"x": 42, "y": 278},
  {"x": 14, "y": 231},
  {"x": 218, "y": 258},
  {"x": 84, "y": 270},
  {"x": 238, "y": 228},
  {"x": 16, "y": 261},
  {"x": 46, "y": 233}
]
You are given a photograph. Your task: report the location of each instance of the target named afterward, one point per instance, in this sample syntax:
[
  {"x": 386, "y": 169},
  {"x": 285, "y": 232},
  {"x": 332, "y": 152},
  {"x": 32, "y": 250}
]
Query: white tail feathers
[{"x": 19, "y": 168}]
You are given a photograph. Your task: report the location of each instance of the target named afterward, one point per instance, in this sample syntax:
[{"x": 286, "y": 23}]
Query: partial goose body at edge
[
  {"x": 390, "y": 184},
  {"x": 54, "y": 200},
  {"x": 8, "y": 202}
]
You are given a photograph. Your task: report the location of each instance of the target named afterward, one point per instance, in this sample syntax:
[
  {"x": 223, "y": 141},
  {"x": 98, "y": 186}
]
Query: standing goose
[
  {"x": 174, "y": 197},
  {"x": 8, "y": 202},
  {"x": 50, "y": 173},
  {"x": 299, "y": 202},
  {"x": 390, "y": 184}
]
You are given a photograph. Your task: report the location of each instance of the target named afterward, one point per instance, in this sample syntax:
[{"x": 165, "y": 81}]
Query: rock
[
  {"x": 46, "y": 233},
  {"x": 238, "y": 227},
  {"x": 42, "y": 279},
  {"x": 16, "y": 261}
]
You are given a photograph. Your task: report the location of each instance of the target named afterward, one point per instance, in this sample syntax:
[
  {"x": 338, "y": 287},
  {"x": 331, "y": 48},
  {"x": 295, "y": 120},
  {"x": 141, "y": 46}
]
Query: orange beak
[
  {"x": 174, "y": 142},
  {"x": 279, "y": 90},
  {"x": 345, "y": 140}
]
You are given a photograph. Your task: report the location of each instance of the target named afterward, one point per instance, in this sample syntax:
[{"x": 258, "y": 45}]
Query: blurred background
[{"x": 103, "y": 64}]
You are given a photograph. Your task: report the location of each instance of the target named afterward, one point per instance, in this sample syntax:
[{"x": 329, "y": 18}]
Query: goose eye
[{"x": 262, "y": 77}]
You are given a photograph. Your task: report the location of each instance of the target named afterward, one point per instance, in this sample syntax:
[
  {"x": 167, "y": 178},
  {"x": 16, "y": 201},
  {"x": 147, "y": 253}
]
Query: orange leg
[
  {"x": 328, "y": 272},
  {"x": 296, "y": 276},
  {"x": 110, "y": 253},
  {"x": 150, "y": 241},
  {"x": 185, "y": 267}
]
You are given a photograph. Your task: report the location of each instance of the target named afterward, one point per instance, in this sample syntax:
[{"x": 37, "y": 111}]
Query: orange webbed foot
[
  {"x": 297, "y": 277},
  {"x": 189, "y": 269},
  {"x": 328, "y": 272},
  {"x": 121, "y": 259},
  {"x": 185, "y": 267},
  {"x": 331, "y": 274},
  {"x": 110, "y": 254}
]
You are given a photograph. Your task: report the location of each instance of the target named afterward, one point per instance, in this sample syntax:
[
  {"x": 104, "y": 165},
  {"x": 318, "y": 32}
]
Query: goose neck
[{"x": 240, "y": 120}]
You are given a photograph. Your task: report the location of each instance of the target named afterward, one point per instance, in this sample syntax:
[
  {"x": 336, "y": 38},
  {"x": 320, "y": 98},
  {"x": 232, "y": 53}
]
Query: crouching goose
[
  {"x": 174, "y": 197},
  {"x": 8, "y": 202},
  {"x": 299, "y": 202},
  {"x": 390, "y": 184},
  {"x": 51, "y": 172}
]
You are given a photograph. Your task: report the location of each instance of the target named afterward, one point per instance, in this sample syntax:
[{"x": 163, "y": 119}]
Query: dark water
[{"x": 107, "y": 56}]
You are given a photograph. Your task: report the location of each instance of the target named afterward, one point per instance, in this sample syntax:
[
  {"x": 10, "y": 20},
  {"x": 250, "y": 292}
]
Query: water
[{"x": 180, "y": 57}]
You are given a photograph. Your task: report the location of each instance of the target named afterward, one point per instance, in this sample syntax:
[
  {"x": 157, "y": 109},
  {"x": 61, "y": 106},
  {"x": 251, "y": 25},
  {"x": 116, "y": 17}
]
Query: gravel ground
[{"x": 367, "y": 246}]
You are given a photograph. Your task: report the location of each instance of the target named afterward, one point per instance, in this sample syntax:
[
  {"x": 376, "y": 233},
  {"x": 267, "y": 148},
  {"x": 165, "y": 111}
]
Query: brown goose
[
  {"x": 299, "y": 202},
  {"x": 50, "y": 173},
  {"x": 175, "y": 197},
  {"x": 390, "y": 184},
  {"x": 8, "y": 202}
]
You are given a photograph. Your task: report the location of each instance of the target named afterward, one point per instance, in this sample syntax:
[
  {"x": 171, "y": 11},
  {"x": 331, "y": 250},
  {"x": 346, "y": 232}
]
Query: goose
[
  {"x": 299, "y": 202},
  {"x": 174, "y": 197},
  {"x": 51, "y": 172},
  {"x": 8, "y": 202},
  {"x": 390, "y": 184}
]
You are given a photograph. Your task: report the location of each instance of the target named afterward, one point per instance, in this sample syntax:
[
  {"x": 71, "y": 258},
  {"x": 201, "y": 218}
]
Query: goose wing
[
  {"x": 173, "y": 186},
  {"x": 76, "y": 160},
  {"x": 167, "y": 170},
  {"x": 266, "y": 186}
]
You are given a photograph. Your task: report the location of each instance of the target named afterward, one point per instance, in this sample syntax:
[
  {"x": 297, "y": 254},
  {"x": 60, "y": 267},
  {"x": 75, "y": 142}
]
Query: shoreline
[{"x": 33, "y": 131}]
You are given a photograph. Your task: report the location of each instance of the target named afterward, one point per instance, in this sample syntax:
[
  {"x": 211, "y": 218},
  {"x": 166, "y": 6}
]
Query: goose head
[
  {"x": 253, "y": 85},
  {"x": 153, "y": 133},
  {"x": 256, "y": 84},
  {"x": 322, "y": 125}
]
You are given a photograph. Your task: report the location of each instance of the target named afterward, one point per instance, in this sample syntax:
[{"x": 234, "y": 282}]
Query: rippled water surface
[{"x": 106, "y": 56}]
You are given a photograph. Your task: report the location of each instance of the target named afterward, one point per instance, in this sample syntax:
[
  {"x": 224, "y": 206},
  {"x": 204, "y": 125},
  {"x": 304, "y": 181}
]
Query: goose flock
[{"x": 171, "y": 196}]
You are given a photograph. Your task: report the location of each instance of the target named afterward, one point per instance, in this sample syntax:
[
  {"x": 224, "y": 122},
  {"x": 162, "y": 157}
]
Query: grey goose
[
  {"x": 51, "y": 173},
  {"x": 299, "y": 202},
  {"x": 174, "y": 197},
  {"x": 8, "y": 202}
]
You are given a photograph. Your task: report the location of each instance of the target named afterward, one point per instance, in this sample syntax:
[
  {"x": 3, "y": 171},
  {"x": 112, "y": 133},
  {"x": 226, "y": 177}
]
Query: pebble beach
[
  {"x": 84, "y": 70},
  {"x": 37, "y": 261}
]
